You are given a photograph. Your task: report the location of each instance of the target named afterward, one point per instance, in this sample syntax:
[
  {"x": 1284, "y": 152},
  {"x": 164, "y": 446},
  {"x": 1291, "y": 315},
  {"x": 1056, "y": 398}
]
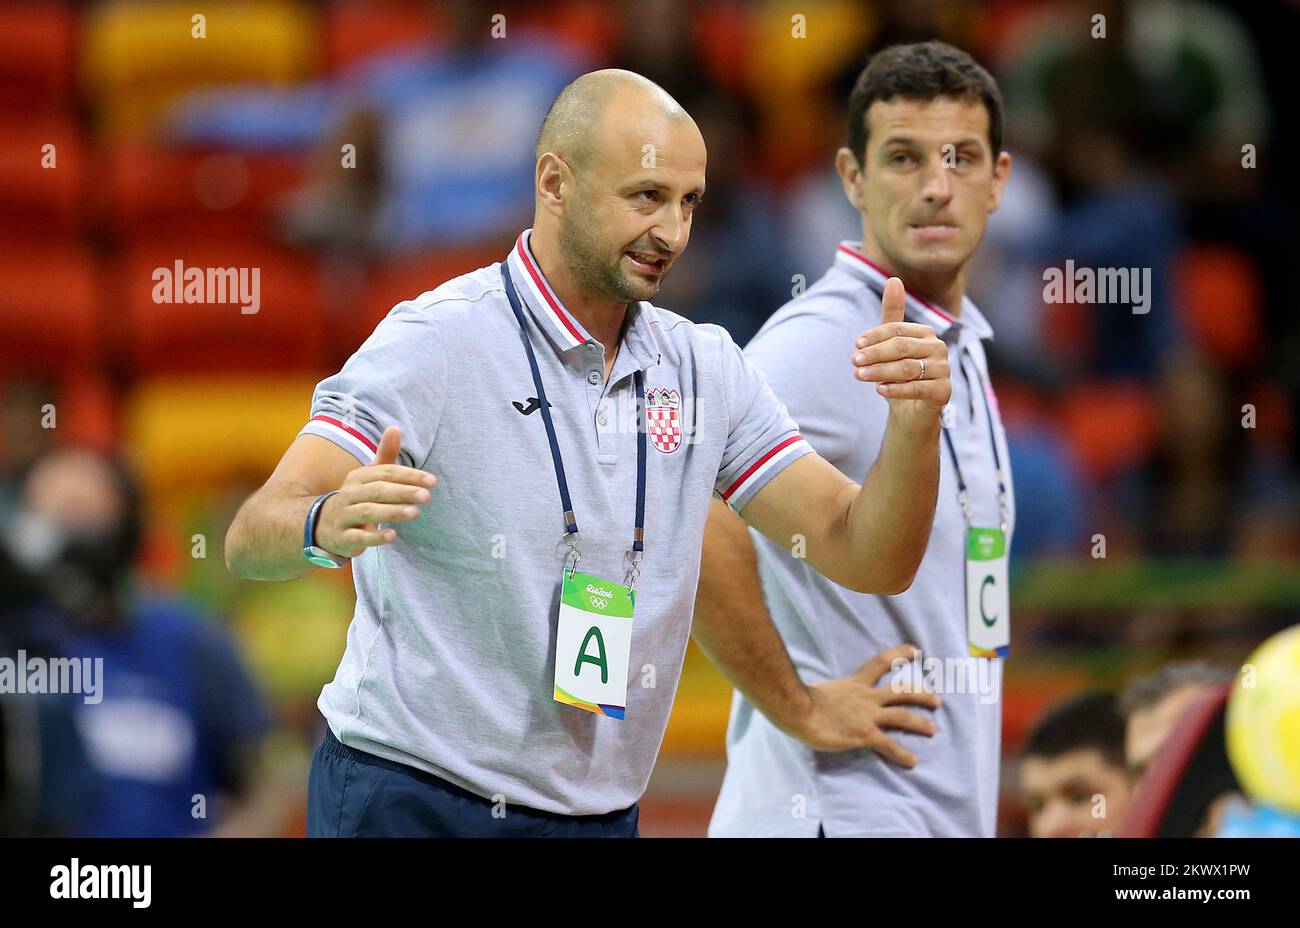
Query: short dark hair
[
  {"x": 922, "y": 71},
  {"x": 1090, "y": 720},
  {"x": 1146, "y": 692}
]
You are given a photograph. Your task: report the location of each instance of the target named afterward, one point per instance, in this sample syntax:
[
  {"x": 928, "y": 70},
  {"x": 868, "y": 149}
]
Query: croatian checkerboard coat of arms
[{"x": 664, "y": 418}]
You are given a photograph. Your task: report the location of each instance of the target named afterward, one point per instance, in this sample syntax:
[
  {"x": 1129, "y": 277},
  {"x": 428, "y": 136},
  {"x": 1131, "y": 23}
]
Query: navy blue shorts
[{"x": 352, "y": 794}]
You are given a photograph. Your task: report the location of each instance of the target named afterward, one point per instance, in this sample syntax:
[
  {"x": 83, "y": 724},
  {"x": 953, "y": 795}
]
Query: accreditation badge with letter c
[{"x": 988, "y": 601}]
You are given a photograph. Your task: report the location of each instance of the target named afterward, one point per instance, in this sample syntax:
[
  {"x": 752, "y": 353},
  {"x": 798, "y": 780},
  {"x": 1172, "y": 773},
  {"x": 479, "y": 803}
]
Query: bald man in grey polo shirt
[
  {"x": 444, "y": 717},
  {"x": 924, "y": 167}
]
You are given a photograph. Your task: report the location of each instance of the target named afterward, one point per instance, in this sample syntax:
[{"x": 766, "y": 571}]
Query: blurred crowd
[{"x": 360, "y": 153}]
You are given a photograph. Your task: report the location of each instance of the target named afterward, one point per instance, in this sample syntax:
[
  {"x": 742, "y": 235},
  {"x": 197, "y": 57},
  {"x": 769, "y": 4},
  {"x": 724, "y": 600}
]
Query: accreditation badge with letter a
[
  {"x": 988, "y": 602},
  {"x": 594, "y": 644}
]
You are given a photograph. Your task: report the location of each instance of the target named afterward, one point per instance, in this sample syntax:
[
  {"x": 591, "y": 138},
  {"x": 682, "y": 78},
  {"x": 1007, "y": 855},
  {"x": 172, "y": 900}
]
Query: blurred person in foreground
[
  {"x": 172, "y": 737},
  {"x": 924, "y": 167},
  {"x": 1072, "y": 778},
  {"x": 1184, "y": 783},
  {"x": 1153, "y": 704}
]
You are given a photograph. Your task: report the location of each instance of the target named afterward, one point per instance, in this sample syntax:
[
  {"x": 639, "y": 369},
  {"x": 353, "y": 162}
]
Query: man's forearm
[
  {"x": 265, "y": 540},
  {"x": 890, "y": 516},
  {"x": 733, "y": 629}
]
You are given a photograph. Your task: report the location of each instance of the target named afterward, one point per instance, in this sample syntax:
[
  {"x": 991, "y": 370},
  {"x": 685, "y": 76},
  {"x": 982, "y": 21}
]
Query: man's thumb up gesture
[{"x": 906, "y": 360}]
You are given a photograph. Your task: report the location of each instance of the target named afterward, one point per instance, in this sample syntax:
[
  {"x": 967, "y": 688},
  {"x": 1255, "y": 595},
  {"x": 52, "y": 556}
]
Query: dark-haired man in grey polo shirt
[
  {"x": 924, "y": 166},
  {"x": 521, "y": 461}
]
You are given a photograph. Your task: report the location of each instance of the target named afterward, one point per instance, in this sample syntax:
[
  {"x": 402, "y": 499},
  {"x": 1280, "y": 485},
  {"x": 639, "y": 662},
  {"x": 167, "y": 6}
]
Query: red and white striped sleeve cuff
[
  {"x": 343, "y": 435},
  {"x": 766, "y": 466}
]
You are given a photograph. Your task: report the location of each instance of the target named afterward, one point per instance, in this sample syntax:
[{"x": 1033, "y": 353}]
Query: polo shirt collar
[
  {"x": 640, "y": 339},
  {"x": 850, "y": 258},
  {"x": 556, "y": 321},
  {"x": 562, "y": 326}
]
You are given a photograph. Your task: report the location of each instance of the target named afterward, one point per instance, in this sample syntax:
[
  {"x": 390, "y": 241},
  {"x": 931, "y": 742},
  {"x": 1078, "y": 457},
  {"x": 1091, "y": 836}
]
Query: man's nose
[
  {"x": 670, "y": 232},
  {"x": 938, "y": 183}
]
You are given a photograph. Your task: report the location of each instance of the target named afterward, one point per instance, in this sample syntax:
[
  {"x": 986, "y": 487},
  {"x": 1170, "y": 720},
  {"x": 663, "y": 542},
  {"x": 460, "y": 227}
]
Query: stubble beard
[{"x": 584, "y": 256}]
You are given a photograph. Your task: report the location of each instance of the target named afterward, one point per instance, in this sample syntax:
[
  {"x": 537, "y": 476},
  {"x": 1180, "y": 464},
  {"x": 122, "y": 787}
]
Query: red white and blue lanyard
[
  {"x": 962, "y": 496},
  {"x": 571, "y": 538}
]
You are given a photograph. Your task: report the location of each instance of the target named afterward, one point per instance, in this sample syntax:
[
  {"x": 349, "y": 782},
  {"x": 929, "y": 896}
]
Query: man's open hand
[{"x": 383, "y": 491}]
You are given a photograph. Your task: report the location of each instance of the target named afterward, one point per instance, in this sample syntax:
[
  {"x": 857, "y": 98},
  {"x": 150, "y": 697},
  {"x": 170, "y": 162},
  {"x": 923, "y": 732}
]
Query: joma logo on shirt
[{"x": 532, "y": 407}]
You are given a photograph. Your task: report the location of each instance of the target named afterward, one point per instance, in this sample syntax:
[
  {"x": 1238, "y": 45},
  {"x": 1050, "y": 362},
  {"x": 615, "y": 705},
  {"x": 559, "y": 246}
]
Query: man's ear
[
  {"x": 1001, "y": 171},
  {"x": 846, "y": 166},
  {"x": 554, "y": 181}
]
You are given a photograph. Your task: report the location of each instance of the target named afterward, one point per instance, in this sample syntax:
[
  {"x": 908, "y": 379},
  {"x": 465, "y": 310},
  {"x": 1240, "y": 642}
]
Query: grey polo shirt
[
  {"x": 775, "y": 785},
  {"x": 449, "y": 659}
]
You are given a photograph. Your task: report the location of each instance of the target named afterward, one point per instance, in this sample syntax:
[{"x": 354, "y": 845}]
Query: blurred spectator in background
[
  {"x": 174, "y": 742},
  {"x": 732, "y": 276},
  {"x": 1153, "y": 704},
  {"x": 1072, "y": 778},
  {"x": 1007, "y": 274},
  {"x": 1207, "y": 489},
  {"x": 1182, "y": 76},
  {"x": 1050, "y": 491},
  {"x": 1182, "y": 500},
  {"x": 443, "y": 135},
  {"x": 36, "y": 798},
  {"x": 1131, "y": 104},
  {"x": 22, "y": 439},
  {"x": 656, "y": 39}
]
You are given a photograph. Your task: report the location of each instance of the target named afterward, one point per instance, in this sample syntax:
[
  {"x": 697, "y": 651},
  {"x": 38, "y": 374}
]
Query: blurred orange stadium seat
[
  {"x": 1221, "y": 298},
  {"x": 1019, "y": 403},
  {"x": 1028, "y": 692},
  {"x": 800, "y": 124},
  {"x": 195, "y": 432},
  {"x": 723, "y": 35},
  {"x": 140, "y": 56},
  {"x": 49, "y": 301},
  {"x": 354, "y": 30},
  {"x": 37, "y": 47},
  {"x": 213, "y": 430},
  {"x": 404, "y": 279},
  {"x": 1273, "y": 423},
  {"x": 184, "y": 191},
  {"x": 833, "y": 31},
  {"x": 1068, "y": 332},
  {"x": 285, "y": 334},
  {"x": 40, "y": 187},
  {"x": 88, "y": 412},
  {"x": 1111, "y": 426},
  {"x": 589, "y": 25}
]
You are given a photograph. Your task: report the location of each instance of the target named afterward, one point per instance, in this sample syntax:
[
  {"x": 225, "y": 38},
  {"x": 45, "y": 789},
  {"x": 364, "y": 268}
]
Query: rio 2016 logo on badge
[{"x": 664, "y": 418}]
